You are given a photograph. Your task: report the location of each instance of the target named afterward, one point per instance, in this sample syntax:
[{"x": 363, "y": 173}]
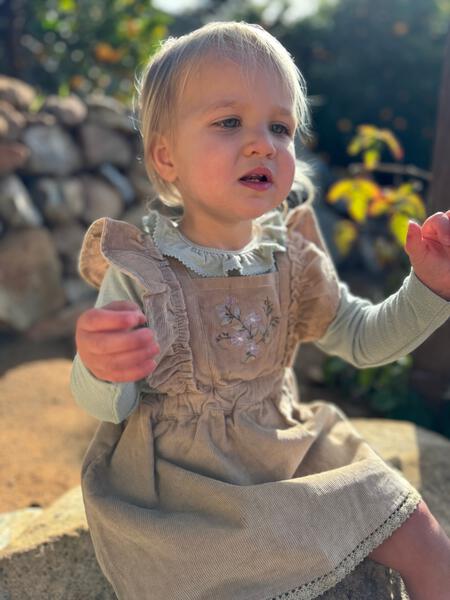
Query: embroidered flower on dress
[{"x": 249, "y": 331}]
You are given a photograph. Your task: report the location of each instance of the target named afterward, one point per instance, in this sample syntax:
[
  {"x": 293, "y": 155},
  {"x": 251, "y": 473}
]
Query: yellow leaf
[
  {"x": 413, "y": 206},
  {"x": 392, "y": 143},
  {"x": 354, "y": 146},
  {"x": 378, "y": 207},
  {"x": 345, "y": 233},
  {"x": 398, "y": 224},
  {"x": 357, "y": 206},
  {"x": 406, "y": 201},
  {"x": 340, "y": 190},
  {"x": 159, "y": 32},
  {"x": 371, "y": 158},
  {"x": 369, "y": 188},
  {"x": 368, "y": 130}
]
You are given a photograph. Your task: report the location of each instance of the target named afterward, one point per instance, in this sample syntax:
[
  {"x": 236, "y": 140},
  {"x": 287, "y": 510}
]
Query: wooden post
[{"x": 432, "y": 359}]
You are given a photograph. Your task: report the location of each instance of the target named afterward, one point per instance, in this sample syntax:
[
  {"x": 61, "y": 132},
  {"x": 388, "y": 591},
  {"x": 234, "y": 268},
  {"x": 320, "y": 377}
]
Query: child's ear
[{"x": 161, "y": 155}]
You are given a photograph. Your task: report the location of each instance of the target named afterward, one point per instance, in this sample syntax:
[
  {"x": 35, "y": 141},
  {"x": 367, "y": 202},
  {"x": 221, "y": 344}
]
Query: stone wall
[{"x": 61, "y": 167}]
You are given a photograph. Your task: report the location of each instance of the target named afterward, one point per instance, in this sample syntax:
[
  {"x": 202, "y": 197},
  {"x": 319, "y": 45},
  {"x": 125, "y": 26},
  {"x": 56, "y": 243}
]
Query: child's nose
[{"x": 260, "y": 142}]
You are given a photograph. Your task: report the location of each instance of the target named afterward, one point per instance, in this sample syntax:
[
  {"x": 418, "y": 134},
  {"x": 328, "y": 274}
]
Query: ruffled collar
[{"x": 254, "y": 259}]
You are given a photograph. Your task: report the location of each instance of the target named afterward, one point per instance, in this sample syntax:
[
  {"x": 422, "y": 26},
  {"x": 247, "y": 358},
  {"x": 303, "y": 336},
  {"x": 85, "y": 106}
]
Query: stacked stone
[{"x": 61, "y": 167}]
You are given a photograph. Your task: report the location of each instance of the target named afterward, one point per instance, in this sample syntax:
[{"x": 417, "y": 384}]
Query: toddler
[{"x": 207, "y": 478}]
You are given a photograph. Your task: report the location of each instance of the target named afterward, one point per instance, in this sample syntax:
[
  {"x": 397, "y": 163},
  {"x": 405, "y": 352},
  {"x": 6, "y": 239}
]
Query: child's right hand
[{"x": 111, "y": 347}]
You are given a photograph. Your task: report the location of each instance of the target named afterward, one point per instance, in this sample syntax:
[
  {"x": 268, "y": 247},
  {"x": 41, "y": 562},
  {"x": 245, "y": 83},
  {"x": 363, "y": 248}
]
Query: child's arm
[
  {"x": 113, "y": 356},
  {"x": 368, "y": 335}
]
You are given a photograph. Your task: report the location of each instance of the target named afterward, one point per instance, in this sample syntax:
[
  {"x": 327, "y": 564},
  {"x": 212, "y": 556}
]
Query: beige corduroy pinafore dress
[{"x": 222, "y": 485}]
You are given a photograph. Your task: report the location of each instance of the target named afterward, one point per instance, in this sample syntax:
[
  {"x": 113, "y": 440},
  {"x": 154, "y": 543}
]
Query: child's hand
[
  {"x": 110, "y": 346},
  {"x": 428, "y": 247}
]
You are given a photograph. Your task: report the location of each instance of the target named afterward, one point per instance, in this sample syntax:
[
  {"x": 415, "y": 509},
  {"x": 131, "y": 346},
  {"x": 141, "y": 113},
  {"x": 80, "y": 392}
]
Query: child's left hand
[{"x": 428, "y": 248}]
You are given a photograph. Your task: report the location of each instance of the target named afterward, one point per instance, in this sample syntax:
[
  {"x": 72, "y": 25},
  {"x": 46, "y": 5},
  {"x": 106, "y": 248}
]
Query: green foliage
[
  {"x": 364, "y": 198},
  {"x": 377, "y": 62},
  {"x": 387, "y": 392},
  {"x": 84, "y": 46}
]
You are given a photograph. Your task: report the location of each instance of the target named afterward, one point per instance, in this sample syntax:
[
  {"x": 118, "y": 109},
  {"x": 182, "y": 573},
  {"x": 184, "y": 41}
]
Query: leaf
[
  {"x": 413, "y": 206},
  {"x": 378, "y": 206},
  {"x": 64, "y": 89},
  {"x": 357, "y": 206},
  {"x": 104, "y": 52},
  {"x": 67, "y": 5},
  {"x": 354, "y": 146},
  {"x": 345, "y": 233},
  {"x": 392, "y": 143},
  {"x": 340, "y": 190},
  {"x": 371, "y": 158},
  {"x": 366, "y": 130},
  {"x": 398, "y": 224}
]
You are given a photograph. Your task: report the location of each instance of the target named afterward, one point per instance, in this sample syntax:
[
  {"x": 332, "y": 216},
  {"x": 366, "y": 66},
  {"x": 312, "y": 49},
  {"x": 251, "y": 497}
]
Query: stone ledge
[
  {"x": 57, "y": 556},
  {"x": 54, "y": 559}
]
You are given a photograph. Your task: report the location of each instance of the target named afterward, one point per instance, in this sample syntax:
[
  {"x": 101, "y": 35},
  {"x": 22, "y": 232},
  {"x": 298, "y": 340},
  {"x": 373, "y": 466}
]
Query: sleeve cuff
[
  {"x": 428, "y": 302},
  {"x": 107, "y": 401}
]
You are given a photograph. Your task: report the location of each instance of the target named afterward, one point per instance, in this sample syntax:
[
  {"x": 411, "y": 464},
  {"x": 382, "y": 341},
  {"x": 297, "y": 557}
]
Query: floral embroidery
[{"x": 249, "y": 331}]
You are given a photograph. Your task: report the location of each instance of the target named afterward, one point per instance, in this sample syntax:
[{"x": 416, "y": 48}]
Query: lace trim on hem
[{"x": 321, "y": 584}]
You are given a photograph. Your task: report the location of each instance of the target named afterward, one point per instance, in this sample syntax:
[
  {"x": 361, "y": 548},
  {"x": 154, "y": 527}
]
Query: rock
[
  {"x": 102, "y": 199},
  {"x": 55, "y": 548},
  {"x": 102, "y": 145},
  {"x": 69, "y": 111},
  {"x": 30, "y": 278},
  {"x": 41, "y": 118},
  {"x": 4, "y": 127},
  {"x": 77, "y": 291},
  {"x": 134, "y": 215},
  {"x": 109, "y": 113},
  {"x": 13, "y": 524},
  {"x": 61, "y": 324},
  {"x": 421, "y": 455},
  {"x": 61, "y": 201},
  {"x": 119, "y": 181},
  {"x": 13, "y": 156},
  {"x": 68, "y": 239},
  {"x": 52, "y": 151},
  {"x": 57, "y": 555},
  {"x": 13, "y": 122},
  {"x": 16, "y": 92},
  {"x": 141, "y": 184},
  {"x": 16, "y": 207}
]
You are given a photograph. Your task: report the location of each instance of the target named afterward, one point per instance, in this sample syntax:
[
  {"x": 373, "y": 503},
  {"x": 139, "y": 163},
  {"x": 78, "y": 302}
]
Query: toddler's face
[{"x": 233, "y": 151}]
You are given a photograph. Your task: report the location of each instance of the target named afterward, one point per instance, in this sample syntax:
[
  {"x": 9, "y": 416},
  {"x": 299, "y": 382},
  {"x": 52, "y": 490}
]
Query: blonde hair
[{"x": 164, "y": 78}]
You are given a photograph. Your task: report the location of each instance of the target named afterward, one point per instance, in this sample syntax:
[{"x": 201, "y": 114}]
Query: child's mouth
[{"x": 257, "y": 180}]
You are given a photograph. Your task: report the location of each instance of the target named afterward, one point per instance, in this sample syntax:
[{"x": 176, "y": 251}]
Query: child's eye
[
  {"x": 280, "y": 129},
  {"x": 229, "y": 123}
]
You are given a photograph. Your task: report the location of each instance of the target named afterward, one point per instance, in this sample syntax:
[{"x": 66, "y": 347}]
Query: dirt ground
[{"x": 43, "y": 433}]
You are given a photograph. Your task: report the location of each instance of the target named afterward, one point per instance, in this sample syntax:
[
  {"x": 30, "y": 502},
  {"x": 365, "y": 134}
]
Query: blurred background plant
[
  {"x": 365, "y": 62},
  {"x": 63, "y": 46},
  {"x": 387, "y": 390},
  {"x": 384, "y": 211}
]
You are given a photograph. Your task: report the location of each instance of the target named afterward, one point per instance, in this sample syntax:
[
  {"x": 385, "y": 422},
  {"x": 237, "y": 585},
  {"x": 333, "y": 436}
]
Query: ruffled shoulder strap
[
  {"x": 302, "y": 220},
  {"x": 108, "y": 241},
  {"x": 314, "y": 285}
]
